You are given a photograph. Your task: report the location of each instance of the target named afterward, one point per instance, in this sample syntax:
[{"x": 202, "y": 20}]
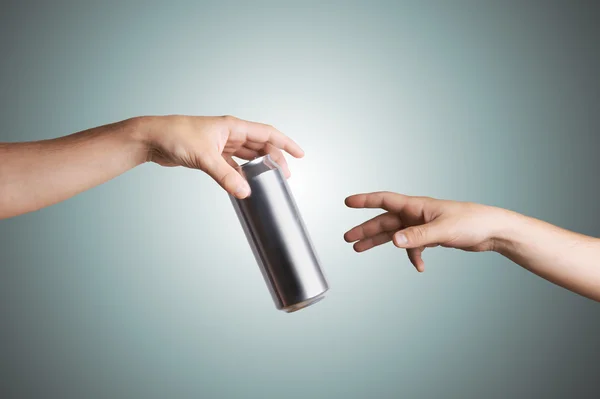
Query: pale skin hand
[
  {"x": 37, "y": 174},
  {"x": 563, "y": 257}
]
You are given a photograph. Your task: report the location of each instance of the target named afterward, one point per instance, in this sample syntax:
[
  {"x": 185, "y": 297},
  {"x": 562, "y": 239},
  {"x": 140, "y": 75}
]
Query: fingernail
[
  {"x": 401, "y": 239},
  {"x": 242, "y": 192}
]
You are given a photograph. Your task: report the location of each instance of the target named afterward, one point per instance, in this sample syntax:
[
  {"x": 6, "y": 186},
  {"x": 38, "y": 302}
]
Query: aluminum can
[{"x": 278, "y": 237}]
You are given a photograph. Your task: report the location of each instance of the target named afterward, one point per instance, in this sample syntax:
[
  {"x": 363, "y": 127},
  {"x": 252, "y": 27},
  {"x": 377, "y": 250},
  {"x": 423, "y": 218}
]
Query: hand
[
  {"x": 415, "y": 223},
  {"x": 208, "y": 144}
]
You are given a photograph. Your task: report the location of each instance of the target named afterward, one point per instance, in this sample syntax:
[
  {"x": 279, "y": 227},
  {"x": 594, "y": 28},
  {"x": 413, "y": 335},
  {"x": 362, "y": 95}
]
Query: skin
[
  {"x": 563, "y": 257},
  {"x": 34, "y": 175}
]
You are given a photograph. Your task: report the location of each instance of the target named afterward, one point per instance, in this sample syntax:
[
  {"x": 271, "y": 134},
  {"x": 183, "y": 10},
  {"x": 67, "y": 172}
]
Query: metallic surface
[{"x": 278, "y": 237}]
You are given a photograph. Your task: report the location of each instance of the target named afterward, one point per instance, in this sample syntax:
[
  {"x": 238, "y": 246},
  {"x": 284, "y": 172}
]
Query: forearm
[
  {"x": 37, "y": 174},
  {"x": 565, "y": 258}
]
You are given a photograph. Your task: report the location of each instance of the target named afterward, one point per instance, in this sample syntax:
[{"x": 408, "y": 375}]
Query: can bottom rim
[{"x": 304, "y": 304}]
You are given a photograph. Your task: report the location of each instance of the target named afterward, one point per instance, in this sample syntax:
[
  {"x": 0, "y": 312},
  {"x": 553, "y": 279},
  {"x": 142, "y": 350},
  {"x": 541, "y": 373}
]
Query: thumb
[
  {"x": 420, "y": 236},
  {"x": 227, "y": 177}
]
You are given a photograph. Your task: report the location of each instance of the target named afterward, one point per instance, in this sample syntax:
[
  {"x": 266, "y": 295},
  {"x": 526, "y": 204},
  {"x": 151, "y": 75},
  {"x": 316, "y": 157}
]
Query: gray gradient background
[{"x": 145, "y": 286}]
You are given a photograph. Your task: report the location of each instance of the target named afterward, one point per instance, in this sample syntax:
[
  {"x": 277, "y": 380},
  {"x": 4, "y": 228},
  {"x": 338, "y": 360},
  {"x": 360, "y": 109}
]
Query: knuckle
[
  {"x": 225, "y": 179},
  {"x": 390, "y": 223},
  {"x": 366, "y": 230},
  {"x": 229, "y": 119},
  {"x": 419, "y": 233}
]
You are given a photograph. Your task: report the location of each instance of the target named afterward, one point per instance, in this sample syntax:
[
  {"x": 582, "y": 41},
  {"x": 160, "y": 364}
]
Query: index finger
[
  {"x": 391, "y": 202},
  {"x": 262, "y": 133}
]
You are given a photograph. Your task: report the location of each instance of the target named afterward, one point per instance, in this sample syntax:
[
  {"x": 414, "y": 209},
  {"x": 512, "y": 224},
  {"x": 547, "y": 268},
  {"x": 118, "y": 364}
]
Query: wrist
[
  {"x": 141, "y": 131},
  {"x": 507, "y": 225}
]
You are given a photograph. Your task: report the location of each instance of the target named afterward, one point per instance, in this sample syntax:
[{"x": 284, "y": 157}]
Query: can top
[{"x": 257, "y": 166}]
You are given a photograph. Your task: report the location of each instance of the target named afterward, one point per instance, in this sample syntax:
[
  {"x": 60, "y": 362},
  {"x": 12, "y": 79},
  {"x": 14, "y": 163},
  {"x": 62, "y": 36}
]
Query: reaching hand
[
  {"x": 208, "y": 144},
  {"x": 415, "y": 223}
]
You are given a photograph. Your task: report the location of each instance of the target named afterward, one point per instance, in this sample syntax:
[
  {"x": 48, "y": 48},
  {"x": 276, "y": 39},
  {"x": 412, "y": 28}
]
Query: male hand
[
  {"x": 208, "y": 144},
  {"x": 415, "y": 223}
]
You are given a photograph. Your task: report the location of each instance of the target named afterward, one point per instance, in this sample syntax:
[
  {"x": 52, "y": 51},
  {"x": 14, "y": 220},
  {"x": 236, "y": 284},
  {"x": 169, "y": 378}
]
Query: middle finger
[{"x": 380, "y": 223}]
